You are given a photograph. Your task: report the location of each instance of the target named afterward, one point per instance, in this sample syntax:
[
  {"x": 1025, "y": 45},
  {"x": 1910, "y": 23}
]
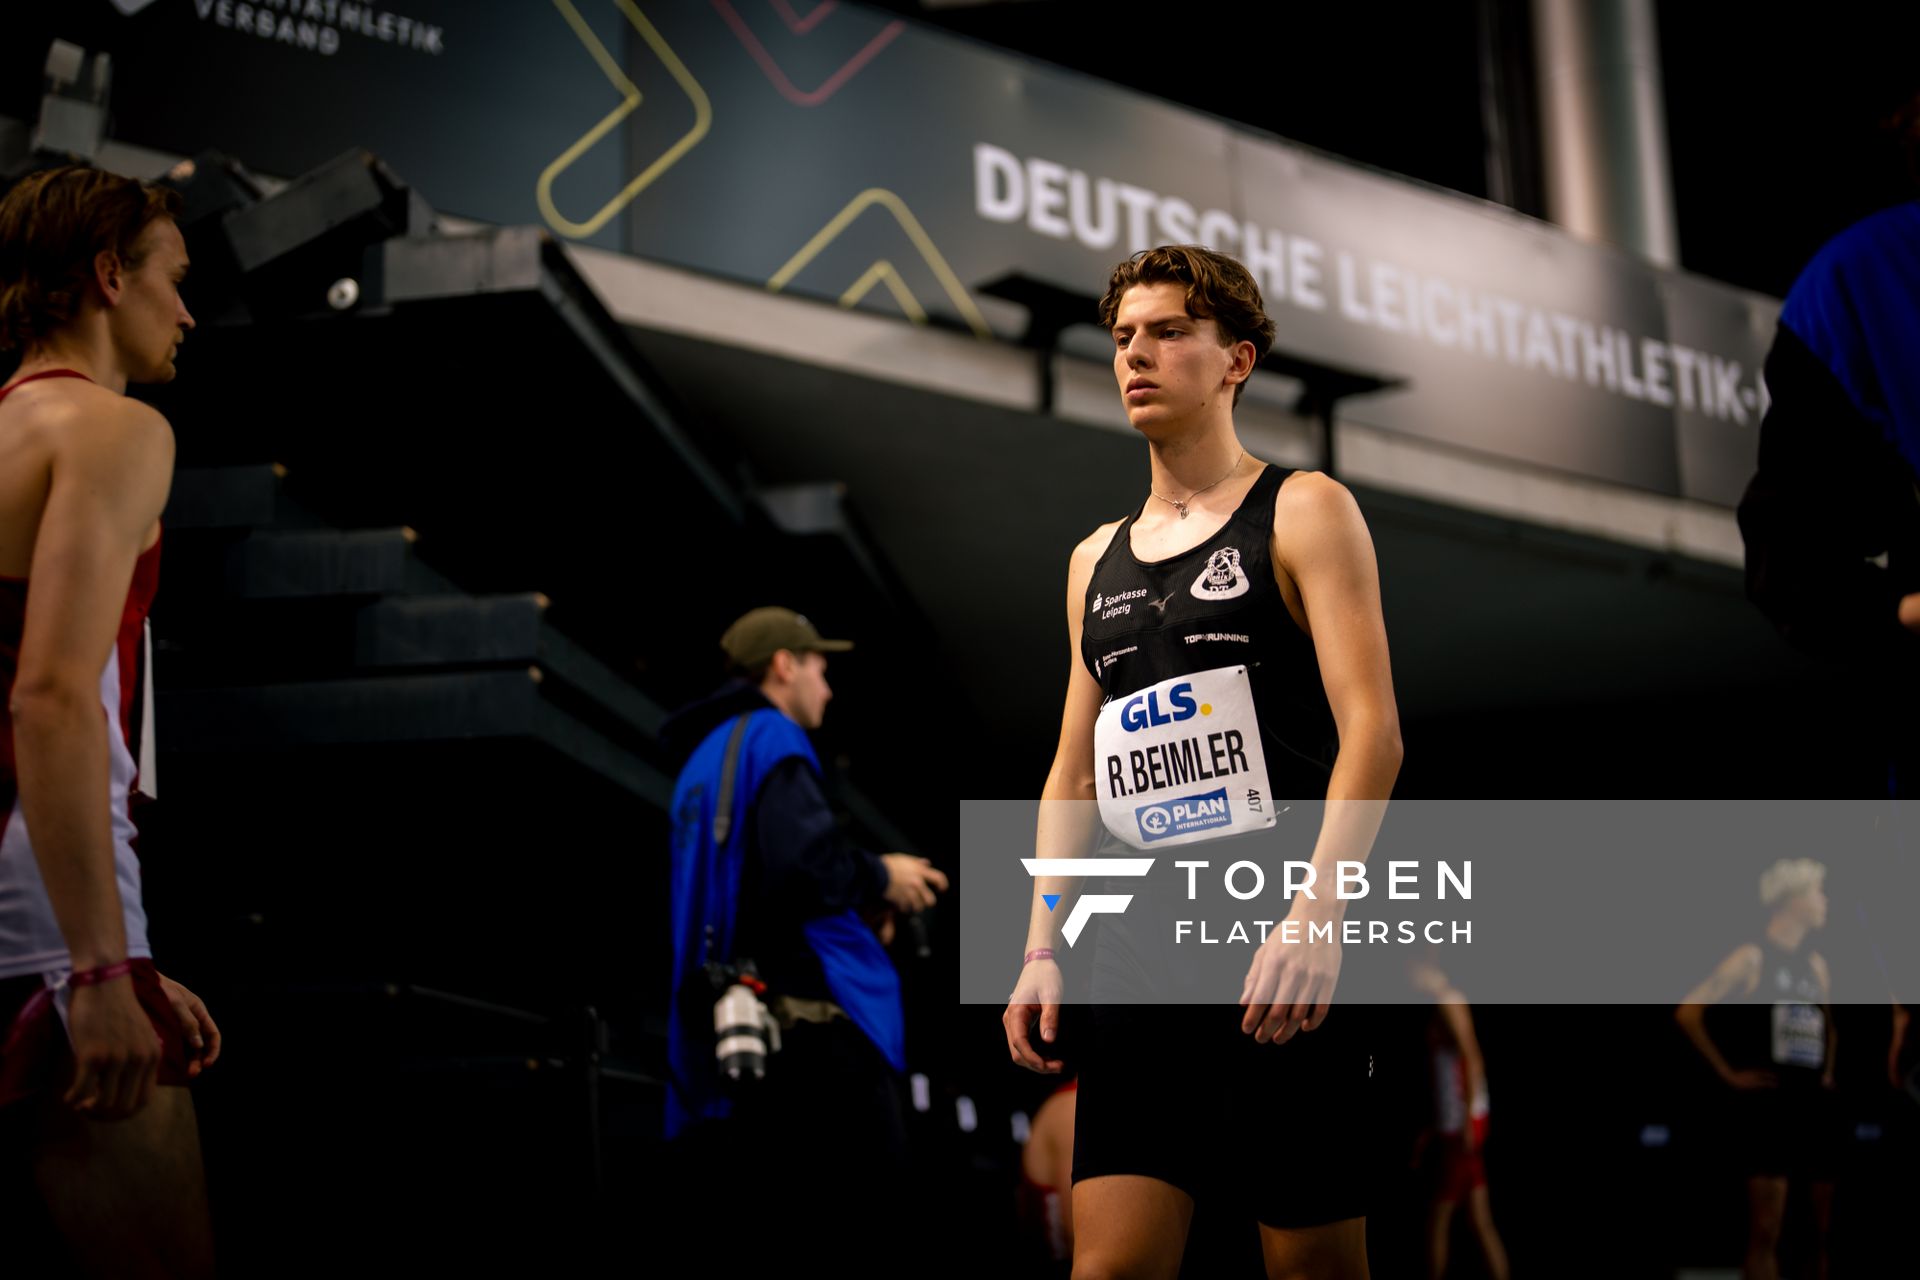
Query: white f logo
[{"x": 1090, "y": 904}]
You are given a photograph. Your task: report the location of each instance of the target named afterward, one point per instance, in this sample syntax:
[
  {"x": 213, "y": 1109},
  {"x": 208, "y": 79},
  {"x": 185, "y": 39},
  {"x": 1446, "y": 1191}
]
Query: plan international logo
[{"x": 1178, "y": 817}]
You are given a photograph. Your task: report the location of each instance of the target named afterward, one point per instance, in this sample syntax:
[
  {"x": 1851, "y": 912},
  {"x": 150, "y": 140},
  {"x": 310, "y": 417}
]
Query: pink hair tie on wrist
[
  {"x": 18, "y": 1036},
  {"x": 1038, "y": 953},
  {"x": 105, "y": 973}
]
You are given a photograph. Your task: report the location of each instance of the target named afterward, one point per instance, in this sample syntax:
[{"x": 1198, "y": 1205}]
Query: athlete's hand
[
  {"x": 196, "y": 1026},
  {"x": 1751, "y": 1078},
  {"x": 911, "y": 881},
  {"x": 1289, "y": 986},
  {"x": 116, "y": 1052},
  {"x": 1036, "y": 995}
]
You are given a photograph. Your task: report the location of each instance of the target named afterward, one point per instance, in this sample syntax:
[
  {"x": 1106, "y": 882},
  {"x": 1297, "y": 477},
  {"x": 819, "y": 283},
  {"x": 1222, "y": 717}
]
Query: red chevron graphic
[{"x": 800, "y": 26}]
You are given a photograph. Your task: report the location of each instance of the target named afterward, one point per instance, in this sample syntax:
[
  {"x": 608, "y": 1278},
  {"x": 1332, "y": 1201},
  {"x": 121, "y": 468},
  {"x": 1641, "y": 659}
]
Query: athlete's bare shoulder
[
  {"x": 77, "y": 399},
  {"x": 1312, "y": 497},
  {"x": 1316, "y": 521},
  {"x": 59, "y": 401},
  {"x": 73, "y": 450},
  {"x": 1095, "y": 544},
  {"x": 1738, "y": 974},
  {"x": 74, "y": 417},
  {"x": 1087, "y": 553}
]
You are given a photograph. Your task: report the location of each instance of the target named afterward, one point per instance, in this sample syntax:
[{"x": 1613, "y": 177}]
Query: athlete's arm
[
  {"x": 1900, "y": 1020},
  {"x": 1068, "y": 823},
  {"x": 1818, "y": 963},
  {"x": 807, "y": 869},
  {"x": 1740, "y": 971},
  {"x": 1829, "y": 495},
  {"x": 1320, "y": 541},
  {"x": 1457, "y": 1018},
  {"x": 112, "y": 466}
]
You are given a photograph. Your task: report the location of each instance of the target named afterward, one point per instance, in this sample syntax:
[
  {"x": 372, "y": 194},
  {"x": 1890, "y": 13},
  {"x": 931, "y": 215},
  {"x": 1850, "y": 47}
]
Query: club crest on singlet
[{"x": 1223, "y": 578}]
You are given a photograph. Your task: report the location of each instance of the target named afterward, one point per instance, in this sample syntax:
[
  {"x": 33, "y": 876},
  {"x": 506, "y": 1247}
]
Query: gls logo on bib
[{"x": 1144, "y": 712}]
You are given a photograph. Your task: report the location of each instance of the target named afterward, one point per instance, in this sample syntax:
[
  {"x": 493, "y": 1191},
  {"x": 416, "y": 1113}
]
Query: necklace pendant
[{"x": 1182, "y": 508}]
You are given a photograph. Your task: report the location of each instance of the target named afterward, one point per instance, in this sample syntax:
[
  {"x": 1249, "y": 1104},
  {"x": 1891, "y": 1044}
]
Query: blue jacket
[
  {"x": 1830, "y": 519},
  {"x": 775, "y": 795}
]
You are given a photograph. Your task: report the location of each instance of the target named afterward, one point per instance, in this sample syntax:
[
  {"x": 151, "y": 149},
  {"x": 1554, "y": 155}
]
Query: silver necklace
[{"x": 1180, "y": 506}]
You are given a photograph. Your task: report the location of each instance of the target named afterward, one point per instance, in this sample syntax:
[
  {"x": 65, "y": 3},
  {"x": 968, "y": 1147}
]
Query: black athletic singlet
[
  {"x": 1216, "y": 606},
  {"x": 1781, "y": 1026},
  {"x": 1794, "y": 1128},
  {"x": 1170, "y": 1091}
]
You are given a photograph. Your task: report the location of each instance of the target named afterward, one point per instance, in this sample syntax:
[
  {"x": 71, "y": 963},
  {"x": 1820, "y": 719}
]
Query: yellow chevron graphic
[
  {"x": 630, "y": 94},
  {"x": 882, "y": 270}
]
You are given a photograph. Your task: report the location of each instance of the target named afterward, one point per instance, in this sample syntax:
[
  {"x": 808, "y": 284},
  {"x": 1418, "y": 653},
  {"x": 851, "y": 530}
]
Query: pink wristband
[
  {"x": 1038, "y": 953},
  {"x": 105, "y": 973}
]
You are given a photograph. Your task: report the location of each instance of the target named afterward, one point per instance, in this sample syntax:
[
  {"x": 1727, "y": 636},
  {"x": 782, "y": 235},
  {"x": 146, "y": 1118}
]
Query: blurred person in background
[
  {"x": 816, "y": 1150},
  {"x": 1831, "y": 519},
  {"x": 1776, "y": 1052},
  {"x": 1044, "y": 1204},
  {"x": 1454, "y": 1143}
]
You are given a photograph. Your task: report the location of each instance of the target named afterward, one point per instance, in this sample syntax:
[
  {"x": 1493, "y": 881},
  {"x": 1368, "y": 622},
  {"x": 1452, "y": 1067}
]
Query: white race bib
[
  {"x": 1799, "y": 1035},
  {"x": 1181, "y": 761}
]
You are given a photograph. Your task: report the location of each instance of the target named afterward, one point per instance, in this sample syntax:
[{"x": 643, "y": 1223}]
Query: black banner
[{"x": 821, "y": 148}]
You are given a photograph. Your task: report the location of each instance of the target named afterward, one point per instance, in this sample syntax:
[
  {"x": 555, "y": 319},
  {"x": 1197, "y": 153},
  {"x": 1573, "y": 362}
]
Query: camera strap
[
  {"x": 788, "y": 1010},
  {"x": 723, "y": 803}
]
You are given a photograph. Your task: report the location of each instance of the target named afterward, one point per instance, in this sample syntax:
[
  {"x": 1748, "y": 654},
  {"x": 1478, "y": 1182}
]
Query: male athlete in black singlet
[
  {"x": 1259, "y": 582},
  {"x": 1776, "y": 1051}
]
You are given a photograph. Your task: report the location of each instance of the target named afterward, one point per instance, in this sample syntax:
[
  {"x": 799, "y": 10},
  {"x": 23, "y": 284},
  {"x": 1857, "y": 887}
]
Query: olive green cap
[{"x": 758, "y": 634}]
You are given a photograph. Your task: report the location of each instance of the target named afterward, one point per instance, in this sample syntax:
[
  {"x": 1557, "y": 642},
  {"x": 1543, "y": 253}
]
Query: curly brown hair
[
  {"x": 52, "y": 226},
  {"x": 1218, "y": 289}
]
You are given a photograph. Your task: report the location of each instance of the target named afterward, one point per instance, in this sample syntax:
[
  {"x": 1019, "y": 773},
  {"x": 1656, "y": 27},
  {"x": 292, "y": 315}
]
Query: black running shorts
[
  {"x": 1790, "y": 1131},
  {"x": 1283, "y": 1133}
]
